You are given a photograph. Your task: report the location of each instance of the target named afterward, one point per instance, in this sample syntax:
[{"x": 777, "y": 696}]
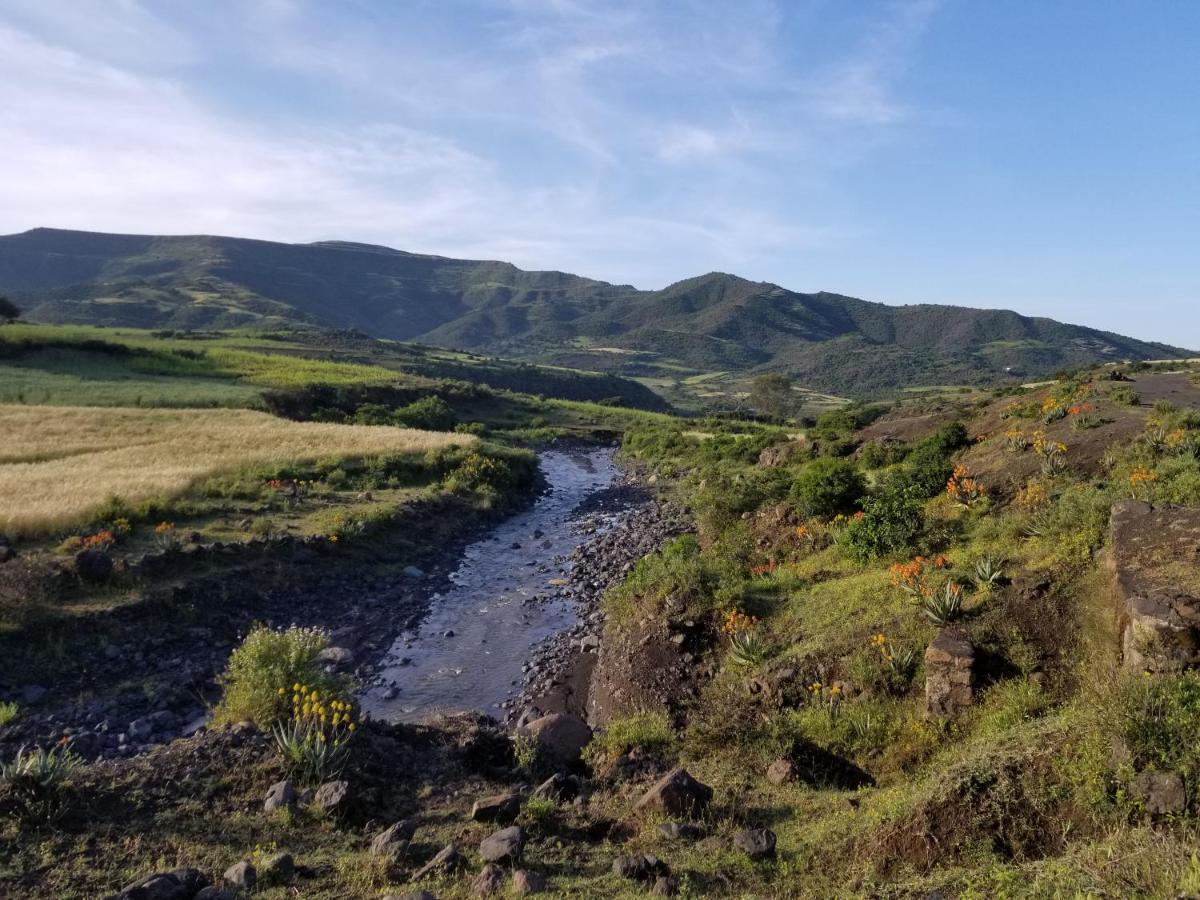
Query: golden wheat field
[{"x": 59, "y": 463}]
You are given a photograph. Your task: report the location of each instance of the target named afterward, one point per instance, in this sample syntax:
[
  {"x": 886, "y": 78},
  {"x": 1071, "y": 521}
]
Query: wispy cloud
[{"x": 550, "y": 132}]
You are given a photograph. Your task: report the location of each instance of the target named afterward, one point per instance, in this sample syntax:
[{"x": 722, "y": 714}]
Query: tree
[
  {"x": 771, "y": 395},
  {"x": 826, "y": 487},
  {"x": 8, "y": 310}
]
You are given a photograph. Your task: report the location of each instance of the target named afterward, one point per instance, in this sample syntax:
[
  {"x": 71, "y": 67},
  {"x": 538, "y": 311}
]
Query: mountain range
[{"x": 712, "y": 323}]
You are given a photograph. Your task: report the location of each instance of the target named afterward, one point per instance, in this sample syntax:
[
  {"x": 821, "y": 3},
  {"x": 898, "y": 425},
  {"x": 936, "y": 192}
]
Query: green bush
[
  {"x": 1159, "y": 719},
  {"x": 430, "y": 413},
  {"x": 930, "y": 465},
  {"x": 827, "y": 487},
  {"x": 891, "y": 522},
  {"x": 258, "y": 679}
]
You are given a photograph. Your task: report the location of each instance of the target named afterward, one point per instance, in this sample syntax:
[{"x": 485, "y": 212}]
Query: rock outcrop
[{"x": 949, "y": 674}]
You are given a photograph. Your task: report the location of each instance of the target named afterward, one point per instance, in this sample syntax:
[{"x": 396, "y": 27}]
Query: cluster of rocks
[
  {"x": 592, "y": 568},
  {"x": 191, "y": 884}
]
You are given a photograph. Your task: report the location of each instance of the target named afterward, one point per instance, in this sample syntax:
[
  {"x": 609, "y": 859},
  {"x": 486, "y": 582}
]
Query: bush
[
  {"x": 257, "y": 681},
  {"x": 929, "y": 465},
  {"x": 827, "y": 487},
  {"x": 891, "y": 522},
  {"x": 430, "y": 413},
  {"x": 1160, "y": 718}
]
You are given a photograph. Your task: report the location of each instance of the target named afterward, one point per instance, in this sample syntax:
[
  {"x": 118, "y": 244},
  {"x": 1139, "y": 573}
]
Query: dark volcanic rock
[{"x": 676, "y": 794}]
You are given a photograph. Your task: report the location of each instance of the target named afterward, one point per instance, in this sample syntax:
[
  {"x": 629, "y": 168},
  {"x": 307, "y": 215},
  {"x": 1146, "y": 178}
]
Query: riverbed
[{"x": 509, "y": 594}]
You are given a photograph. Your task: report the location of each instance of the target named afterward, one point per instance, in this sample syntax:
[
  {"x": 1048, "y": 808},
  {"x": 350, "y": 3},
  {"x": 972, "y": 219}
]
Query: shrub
[
  {"x": 8, "y": 713},
  {"x": 891, "y": 522},
  {"x": 430, "y": 413},
  {"x": 928, "y": 467},
  {"x": 648, "y": 731},
  {"x": 827, "y": 487},
  {"x": 1159, "y": 720},
  {"x": 268, "y": 662}
]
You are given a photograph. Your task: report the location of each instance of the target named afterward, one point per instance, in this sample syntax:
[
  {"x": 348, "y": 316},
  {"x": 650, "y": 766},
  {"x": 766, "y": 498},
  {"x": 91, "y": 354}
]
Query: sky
[{"x": 1043, "y": 157}]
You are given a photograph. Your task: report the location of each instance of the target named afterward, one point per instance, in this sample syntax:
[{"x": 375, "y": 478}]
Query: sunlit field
[{"x": 57, "y": 464}]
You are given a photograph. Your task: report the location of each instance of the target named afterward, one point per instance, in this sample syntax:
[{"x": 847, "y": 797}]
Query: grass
[{"x": 59, "y": 464}]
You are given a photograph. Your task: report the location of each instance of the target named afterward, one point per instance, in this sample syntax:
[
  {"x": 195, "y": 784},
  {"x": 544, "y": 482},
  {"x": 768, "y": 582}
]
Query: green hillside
[{"x": 714, "y": 322}]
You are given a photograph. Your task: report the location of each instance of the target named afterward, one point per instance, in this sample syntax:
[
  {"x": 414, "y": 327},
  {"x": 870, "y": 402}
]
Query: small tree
[
  {"x": 771, "y": 395},
  {"x": 9, "y": 311}
]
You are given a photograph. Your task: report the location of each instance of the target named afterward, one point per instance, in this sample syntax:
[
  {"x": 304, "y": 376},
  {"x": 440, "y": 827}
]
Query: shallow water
[{"x": 469, "y": 650}]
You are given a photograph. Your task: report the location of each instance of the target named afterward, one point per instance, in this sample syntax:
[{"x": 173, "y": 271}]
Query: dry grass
[{"x": 57, "y": 464}]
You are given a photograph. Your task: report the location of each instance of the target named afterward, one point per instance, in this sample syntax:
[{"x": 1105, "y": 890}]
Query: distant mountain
[{"x": 715, "y": 322}]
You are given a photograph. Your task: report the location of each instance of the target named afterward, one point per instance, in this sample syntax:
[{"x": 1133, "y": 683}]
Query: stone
[
  {"x": 338, "y": 657},
  {"x": 333, "y": 797},
  {"x": 179, "y": 884},
  {"x": 643, "y": 867},
  {"x": 949, "y": 674},
  {"x": 681, "y": 831},
  {"x": 213, "y": 893},
  {"x": 677, "y": 794},
  {"x": 413, "y": 572},
  {"x": 1159, "y": 605},
  {"x": 140, "y": 729},
  {"x": 93, "y": 565},
  {"x": 278, "y": 868},
  {"x": 558, "y": 787},
  {"x": 504, "y": 845},
  {"x": 1163, "y": 793},
  {"x": 527, "y": 882},
  {"x": 500, "y": 808},
  {"x": 447, "y": 860},
  {"x": 756, "y": 843},
  {"x": 489, "y": 880},
  {"x": 281, "y": 795},
  {"x": 782, "y": 771},
  {"x": 665, "y": 886},
  {"x": 393, "y": 841},
  {"x": 7, "y": 553},
  {"x": 560, "y": 738},
  {"x": 241, "y": 876}
]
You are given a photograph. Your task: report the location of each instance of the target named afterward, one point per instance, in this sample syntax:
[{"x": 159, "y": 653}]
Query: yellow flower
[
  {"x": 296, "y": 687},
  {"x": 350, "y": 727},
  {"x": 282, "y": 692}
]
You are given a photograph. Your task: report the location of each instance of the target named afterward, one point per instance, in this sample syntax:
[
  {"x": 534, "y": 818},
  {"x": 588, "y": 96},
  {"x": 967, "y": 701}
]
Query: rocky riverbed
[{"x": 151, "y": 672}]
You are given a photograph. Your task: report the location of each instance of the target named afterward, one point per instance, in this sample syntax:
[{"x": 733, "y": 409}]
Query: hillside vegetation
[{"x": 712, "y": 323}]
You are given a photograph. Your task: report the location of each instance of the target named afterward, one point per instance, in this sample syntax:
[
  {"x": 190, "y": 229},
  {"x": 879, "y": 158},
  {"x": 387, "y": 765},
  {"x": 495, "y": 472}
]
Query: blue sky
[{"x": 1043, "y": 157}]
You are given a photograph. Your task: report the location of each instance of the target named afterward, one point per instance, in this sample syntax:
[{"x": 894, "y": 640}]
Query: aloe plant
[
  {"x": 988, "y": 573},
  {"x": 943, "y": 606},
  {"x": 746, "y": 649}
]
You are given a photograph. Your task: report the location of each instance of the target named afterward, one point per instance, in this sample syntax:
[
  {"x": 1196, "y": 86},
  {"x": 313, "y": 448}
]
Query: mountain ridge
[{"x": 711, "y": 322}]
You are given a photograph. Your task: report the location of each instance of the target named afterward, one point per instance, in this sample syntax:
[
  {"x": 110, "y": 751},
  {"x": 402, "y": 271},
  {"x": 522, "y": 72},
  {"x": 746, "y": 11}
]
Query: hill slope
[{"x": 713, "y": 322}]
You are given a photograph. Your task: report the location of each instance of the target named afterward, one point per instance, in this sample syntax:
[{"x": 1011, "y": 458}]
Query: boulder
[
  {"x": 393, "y": 841},
  {"x": 781, "y": 454},
  {"x": 447, "y": 860},
  {"x": 949, "y": 674},
  {"x": 337, "y": 657},
  {"x": 333, "y": 797},
  {"x": 676, "y": 794},
  {"x": 6, "y": 553},
  {"x": 782, "y": 771},
  {"x": 1159, "y": 604},
  {"x": 527, "y": 882},
  {"x": 489, "y": 880},
  {"x": 756, "y": 843},
  {"x": 681, "y": 831},
  {"x": 213, "y": 892},
  {"x": 665, "y": 886},
  {"x": 179, "y": 884},
  {"x": 642, "y": 867},
  {"x": 93, "y": 565},
  {"x": 278, "y": 868},
  {"x": 558, "y": 787},
  {"x": 241, "y": 876},
  {"x": 560, "y": 738},
  {"x": 504, "y": 845},
  {"x": 1163, "y": 793},
  {"x": 281, "y": 795},
  {"x": 500, "y": 808}
]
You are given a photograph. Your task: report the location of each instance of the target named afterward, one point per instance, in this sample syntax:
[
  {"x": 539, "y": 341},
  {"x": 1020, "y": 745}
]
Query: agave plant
[
  {"x": 1038, "y": 525},
  {"x": 1053, "y": 465},
  {"x": 36, "y": 778},
  {"x": 1156, "y": 440},
  {"x": 988, "y": 573},
  {"x": 309, "y": 751},
  {"x": 943, "y": 606},
  {"x": 746, "y": 648}
]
